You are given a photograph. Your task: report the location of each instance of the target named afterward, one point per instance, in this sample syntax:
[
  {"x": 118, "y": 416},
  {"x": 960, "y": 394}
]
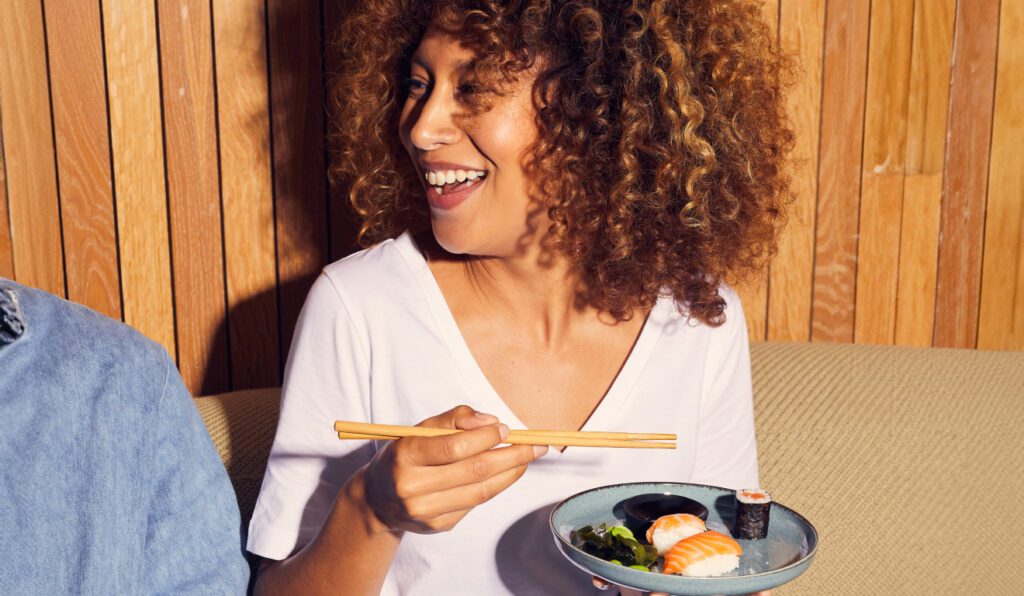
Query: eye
[
  {"x": 414, "y": 88},
  {"x": 470, "y": 88}
]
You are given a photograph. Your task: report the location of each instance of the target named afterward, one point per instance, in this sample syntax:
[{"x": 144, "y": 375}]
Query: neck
[{"x": 535, "y": 290}]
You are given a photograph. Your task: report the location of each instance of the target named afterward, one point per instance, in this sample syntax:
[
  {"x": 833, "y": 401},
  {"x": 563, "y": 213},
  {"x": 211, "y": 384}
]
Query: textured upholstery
[
  {"x": 907, "y": 460},
  {"x": 242, "y": 426}
]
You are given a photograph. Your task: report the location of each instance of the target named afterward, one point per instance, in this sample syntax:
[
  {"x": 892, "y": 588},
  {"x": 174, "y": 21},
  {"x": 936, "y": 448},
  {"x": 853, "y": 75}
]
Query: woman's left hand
[{"x": 601, "y": 584}]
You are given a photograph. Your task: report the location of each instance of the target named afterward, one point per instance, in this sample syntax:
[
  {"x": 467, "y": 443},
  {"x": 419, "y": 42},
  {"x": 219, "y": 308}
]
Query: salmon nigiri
[
  {"x": 702, "y": 555},
  {"x": 667, "y": 530}
]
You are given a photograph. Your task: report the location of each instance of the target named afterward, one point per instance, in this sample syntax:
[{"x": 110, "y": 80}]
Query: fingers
[
  {"x": 482, "y": 432},
  {"x": 472, "y": 470},
  {"x": 601, "y": 584},
  {"x": 434, "y": 504},
  {"x": 448, "y": 449},
  {"x": 460, "y": 417}
]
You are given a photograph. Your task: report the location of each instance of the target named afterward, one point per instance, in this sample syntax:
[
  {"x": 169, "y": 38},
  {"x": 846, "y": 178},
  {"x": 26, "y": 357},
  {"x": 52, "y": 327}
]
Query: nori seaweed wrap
[{"x": 752, "y": 509}]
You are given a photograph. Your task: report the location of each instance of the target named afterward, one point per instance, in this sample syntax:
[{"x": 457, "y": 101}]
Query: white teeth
[{"x": 440, "y": 178}]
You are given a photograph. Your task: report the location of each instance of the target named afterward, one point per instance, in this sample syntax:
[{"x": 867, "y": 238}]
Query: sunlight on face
[{"x": 470, "y": 163}]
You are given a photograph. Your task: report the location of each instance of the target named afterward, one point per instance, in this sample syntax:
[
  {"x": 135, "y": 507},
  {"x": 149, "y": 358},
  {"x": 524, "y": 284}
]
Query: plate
[{"x": 782, "y": 556}]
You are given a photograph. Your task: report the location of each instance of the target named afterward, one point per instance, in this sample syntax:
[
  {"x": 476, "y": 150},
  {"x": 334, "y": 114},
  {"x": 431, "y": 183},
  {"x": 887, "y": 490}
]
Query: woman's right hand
[{"x": 428, "y": 484}]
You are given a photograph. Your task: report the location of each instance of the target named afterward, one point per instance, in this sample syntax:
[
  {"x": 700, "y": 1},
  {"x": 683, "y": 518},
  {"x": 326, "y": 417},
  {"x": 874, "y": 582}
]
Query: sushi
[
  {"x": 752, "y": 508},
  {"x": 670, "y": 529},
  {"x": 703, "y": 555}
]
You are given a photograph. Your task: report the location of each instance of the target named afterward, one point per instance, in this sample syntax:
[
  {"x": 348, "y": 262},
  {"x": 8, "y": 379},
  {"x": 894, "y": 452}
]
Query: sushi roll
[
  {"x": 670, "y": 529},
  {"x": 752, "y": 508},
  {"x": 706, "y": 554}
]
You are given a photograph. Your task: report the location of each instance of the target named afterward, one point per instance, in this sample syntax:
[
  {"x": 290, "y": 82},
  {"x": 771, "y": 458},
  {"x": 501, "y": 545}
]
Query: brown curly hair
[{"x": 663, "y": 136}]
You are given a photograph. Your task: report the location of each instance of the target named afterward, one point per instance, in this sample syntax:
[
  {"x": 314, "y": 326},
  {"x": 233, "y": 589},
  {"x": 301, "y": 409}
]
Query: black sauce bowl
[{"x": 642, "y": 510}]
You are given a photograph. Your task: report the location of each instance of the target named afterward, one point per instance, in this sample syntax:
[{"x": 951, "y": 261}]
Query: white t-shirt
[{"x": 376, "y": 342}]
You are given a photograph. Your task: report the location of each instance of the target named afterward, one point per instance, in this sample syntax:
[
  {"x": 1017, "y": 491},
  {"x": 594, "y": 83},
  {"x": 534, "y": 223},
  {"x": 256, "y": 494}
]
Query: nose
[{"x": 432, "y": 121}]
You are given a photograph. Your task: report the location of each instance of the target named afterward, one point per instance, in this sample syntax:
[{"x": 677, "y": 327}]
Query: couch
[{"x": 909, "y": 461}]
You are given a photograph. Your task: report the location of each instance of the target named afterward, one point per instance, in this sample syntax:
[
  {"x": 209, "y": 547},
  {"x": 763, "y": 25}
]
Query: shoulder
[
  {"x": 374, "y": 277},
  {"x": 733, "y": 316},
  {"x": 80, "y": 333}
]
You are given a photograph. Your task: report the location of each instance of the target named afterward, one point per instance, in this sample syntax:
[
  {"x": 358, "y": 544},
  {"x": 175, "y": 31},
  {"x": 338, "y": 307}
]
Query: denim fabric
[{"x": 109, "y": 482}]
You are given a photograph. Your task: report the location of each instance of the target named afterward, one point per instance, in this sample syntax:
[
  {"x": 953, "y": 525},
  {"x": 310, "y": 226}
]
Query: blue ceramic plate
[{"x": 784, "y": 554}]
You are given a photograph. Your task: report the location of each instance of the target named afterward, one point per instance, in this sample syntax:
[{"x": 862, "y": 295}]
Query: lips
[{"x": 452, "y": 195}]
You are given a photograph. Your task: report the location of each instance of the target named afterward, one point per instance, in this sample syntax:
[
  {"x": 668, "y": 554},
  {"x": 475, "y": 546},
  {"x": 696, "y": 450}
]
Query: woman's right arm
[{"x": 417, "y": 484}]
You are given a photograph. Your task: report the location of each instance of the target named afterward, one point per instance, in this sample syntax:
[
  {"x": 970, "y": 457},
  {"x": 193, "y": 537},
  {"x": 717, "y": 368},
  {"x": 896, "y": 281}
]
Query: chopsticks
[{"x": 557, "y": 438}]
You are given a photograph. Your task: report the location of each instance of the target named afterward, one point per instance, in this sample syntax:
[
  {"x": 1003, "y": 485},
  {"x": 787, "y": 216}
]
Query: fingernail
[
  {"x": 503, "y": 431},
  {"x": 539, "y": 450}
]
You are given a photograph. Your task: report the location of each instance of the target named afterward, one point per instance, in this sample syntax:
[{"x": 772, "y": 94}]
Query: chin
[{"x": 452, "y": 237}]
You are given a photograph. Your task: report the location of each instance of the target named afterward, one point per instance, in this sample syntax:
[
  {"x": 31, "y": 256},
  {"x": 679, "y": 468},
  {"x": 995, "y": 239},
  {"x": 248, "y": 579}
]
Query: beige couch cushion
[
  {"x": 242, "y": 425},
  {"x": 907, "y": 460}
]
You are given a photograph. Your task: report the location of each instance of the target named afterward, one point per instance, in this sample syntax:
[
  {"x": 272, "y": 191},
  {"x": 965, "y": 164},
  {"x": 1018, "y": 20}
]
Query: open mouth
[{"x": 453, "y": 181}]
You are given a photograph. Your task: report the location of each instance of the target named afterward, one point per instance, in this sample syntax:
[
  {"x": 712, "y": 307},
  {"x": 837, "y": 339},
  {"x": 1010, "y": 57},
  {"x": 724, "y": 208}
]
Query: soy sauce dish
[
  {"x": 622, "y": 513},
  {"x": 642, "y": 510}
]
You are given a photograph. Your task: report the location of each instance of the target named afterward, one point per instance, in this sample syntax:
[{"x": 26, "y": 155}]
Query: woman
[{"x": 554, "y": 193}]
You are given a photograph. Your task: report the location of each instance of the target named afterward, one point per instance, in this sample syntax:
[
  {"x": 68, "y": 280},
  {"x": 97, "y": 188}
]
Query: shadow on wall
[{"x": 312, "y": 222}]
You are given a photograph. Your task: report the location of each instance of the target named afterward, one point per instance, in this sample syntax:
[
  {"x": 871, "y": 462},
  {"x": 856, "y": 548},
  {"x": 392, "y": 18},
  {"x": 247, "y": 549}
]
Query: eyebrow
[{"x": 460, "y": 65}]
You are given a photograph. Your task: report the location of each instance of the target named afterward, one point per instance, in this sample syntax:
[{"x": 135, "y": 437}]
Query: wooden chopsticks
[{"x": 558, "y": 438}]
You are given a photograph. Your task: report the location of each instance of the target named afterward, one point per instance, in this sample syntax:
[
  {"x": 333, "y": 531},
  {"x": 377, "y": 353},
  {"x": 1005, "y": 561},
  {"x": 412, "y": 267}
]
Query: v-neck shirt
[
  {"x": 477, "y": 382},
  {"x": 377, "y": 342}
]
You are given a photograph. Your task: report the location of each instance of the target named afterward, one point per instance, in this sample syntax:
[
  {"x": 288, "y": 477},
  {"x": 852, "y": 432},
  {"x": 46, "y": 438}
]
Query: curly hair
[{"x": 662, "y": 144}]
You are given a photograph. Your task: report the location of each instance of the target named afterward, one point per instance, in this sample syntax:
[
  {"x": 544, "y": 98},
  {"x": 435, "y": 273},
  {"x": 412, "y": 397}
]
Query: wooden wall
[{"x": 164, "y": 163}]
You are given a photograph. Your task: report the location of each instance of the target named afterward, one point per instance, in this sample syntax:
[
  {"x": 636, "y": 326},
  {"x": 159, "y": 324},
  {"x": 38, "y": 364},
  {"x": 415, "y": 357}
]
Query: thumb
[{"x": 460, "y": 417}]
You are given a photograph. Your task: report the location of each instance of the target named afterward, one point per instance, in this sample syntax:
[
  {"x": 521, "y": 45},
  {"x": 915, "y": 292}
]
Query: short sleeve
[
  {"x": 193, "y": 534},
  {"x": 726, "y": 445},
  {"x": 326, "y": 379}
]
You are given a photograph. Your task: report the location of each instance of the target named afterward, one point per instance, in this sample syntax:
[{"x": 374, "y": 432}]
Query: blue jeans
[{"x": 109, "y": 483}]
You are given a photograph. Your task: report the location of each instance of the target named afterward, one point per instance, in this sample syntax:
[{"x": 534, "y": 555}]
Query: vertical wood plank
[
  {"x": 194, "y": 194},
  {"x": 966, "y": 180},
  {"x": 246, "y": 191},
  {"x": 133, "y": 89},
  {"x": 344, "y": 227},
  {"x": 884, "y": 156},
  {"x": 842, "y": 113},
  {"x": 6, "y": 250},
  {"x": 28, "y": 147},
  {"x": 74, "y": 31},
  {"x": 753, "y": 291},
  {"x": 927, "y": 109},
  {"x": 1001, "y": 318},
  {"x": 802, "y": 31},
  {"x": 298, "y": 129}
]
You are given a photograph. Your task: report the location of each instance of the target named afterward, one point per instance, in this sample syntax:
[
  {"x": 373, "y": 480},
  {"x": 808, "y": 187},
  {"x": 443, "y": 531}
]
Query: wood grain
[
  {"x": 927, "y": 109},
  {"x": 77, "y": 87},
  {"x": 753, "y": 291},
  {"x": 246, "y": 191},
  {"x": 802, "y": 31},
  {"x": 6, "y": 250},
  {"x": 193, "y": 194},
  {"x": 1001, "y": 316},
  {"x": 884, "y": 156},
  {"x": 32, "y": 200},
  {"x": 297, "y": 109},
  {"x": 344, "y": 227},
  {"x": 958, "y": 285},
  {"x": 842, "y": 127},
  {"x": 133, "y": 90}
]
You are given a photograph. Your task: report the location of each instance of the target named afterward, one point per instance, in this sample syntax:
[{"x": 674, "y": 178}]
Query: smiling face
[{"x": 470, "y": 161}]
